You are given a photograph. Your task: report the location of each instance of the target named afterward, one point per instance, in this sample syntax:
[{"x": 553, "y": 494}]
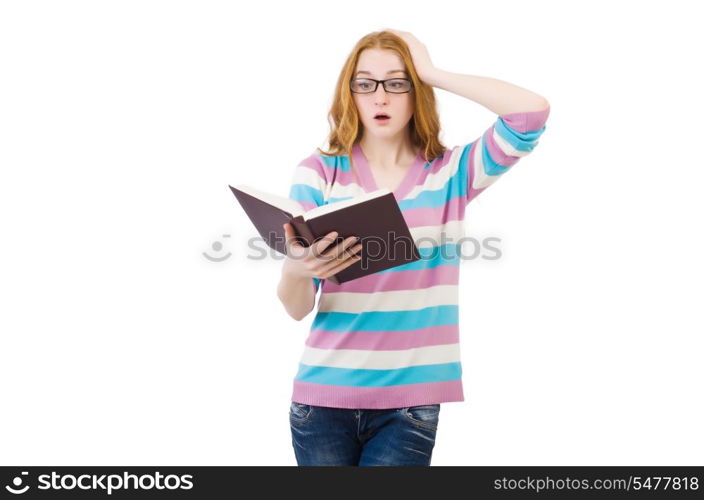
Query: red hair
[{"x": 345, "y": 125}]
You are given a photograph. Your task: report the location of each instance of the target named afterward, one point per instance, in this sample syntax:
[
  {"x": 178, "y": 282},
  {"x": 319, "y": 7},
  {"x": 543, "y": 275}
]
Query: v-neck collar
[{"x": 367, "y": 178}]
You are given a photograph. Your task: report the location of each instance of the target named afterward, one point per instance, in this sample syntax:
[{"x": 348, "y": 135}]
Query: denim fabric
[{"x": 327, "y": 436}]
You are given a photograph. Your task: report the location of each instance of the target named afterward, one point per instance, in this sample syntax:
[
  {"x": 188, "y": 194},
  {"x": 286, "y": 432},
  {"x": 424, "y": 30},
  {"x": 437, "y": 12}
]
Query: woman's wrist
[{"x": 291, "y": 273}]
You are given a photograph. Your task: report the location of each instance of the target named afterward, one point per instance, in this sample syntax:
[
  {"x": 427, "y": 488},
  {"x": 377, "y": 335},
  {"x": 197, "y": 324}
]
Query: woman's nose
[{"x": 380, "y": 95}]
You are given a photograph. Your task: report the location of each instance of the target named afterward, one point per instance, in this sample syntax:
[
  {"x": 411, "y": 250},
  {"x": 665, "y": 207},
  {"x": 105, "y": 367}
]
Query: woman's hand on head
[
  {"x": 419, "y": 53},
  {"x": 317, "y": 260}
]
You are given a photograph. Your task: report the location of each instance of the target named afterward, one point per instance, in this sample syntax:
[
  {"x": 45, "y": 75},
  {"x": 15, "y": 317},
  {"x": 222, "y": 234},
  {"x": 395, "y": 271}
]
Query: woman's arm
[
  {"x": 304, "y": 267},
  {"x": 297, "y": 294},
  {"x": 497, "y": 95},
  {"x": 521, "y": 120}
]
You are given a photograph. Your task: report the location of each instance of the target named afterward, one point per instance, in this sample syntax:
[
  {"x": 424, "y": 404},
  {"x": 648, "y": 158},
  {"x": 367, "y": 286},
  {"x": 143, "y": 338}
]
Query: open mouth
[{"x": 382, "y": 117}]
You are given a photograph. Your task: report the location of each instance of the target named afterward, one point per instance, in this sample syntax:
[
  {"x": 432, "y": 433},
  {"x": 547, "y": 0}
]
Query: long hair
[{"x": 345, "y": 125}]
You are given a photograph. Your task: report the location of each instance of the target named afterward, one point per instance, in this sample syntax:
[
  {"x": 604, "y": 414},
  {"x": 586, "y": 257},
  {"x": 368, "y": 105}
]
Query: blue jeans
[{"x": 340, "y": 436}]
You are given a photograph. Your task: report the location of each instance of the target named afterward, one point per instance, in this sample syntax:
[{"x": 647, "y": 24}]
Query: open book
[{"x": 374, "y": 218}]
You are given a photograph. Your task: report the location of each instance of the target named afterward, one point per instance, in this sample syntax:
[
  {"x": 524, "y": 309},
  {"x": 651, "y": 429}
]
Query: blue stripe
[
  {"x": 439, "y": 255},
  {"x": 341, "y": 198},
  {"x": 387, "y": 320},
  {"x": 522, "y": 141},
  {"x": 463, "y": 169},
  {"x": 304, "y": 192},
  {"x": 438, "y": 197},
  {"x": 456, "y": 186},
  {"x": 490, "y": 166},
  {"x": 342, "y": 162},
  {"x": 441, "y": 372}
]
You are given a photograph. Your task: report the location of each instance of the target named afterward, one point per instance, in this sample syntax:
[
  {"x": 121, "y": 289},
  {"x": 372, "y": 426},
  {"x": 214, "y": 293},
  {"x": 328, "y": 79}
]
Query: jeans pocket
[
  {"x": 299, "y": 412},
  {"x": 426, "y": 416}
]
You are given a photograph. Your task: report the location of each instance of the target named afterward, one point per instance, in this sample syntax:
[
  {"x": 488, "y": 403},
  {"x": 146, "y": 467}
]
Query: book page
[{"x": 286, "y": 204}]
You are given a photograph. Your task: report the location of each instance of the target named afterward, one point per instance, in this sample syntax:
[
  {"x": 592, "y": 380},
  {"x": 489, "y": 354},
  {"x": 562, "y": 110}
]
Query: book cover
[{"x": 374, "y": 217}]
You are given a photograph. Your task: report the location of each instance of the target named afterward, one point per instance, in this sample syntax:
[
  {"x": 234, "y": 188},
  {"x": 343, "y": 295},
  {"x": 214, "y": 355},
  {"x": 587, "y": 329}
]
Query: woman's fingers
[
  {"x": 324, "y": 242},
  {"x": 290, "y": 236},
  {"x": 322, "y": 264},
  {"x": 325, "y": 258},
  {"x": 347, "y": 257},
  {"x": 341, "y": 251},
  {"x": 324, "y": 250},
  {"x": 340, "y": 266}
]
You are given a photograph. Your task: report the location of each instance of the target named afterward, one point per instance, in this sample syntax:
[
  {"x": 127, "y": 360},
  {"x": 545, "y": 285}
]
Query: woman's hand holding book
[{"x": 317, "y": 260}]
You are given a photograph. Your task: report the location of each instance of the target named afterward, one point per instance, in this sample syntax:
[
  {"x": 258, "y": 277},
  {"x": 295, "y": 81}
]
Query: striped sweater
[{"x": 391, "y": 339}]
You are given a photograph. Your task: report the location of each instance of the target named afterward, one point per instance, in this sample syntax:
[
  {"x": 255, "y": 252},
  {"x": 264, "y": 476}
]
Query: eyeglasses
[{"x": 369, "y": 85}]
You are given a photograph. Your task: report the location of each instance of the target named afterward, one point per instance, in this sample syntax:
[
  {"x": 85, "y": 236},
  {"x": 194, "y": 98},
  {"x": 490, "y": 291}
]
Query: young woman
[{"x": 383, "y": 350}]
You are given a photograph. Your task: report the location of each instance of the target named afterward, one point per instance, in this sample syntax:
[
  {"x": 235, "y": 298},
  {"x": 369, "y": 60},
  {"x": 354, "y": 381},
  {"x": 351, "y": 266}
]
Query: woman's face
[{"x": 381, "y": 64}]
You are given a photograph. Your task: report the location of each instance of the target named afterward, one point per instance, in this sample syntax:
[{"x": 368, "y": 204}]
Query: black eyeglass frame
[{"x": 383, "y": 82}]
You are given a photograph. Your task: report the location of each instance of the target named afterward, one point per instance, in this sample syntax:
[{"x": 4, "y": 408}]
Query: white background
[{"x": 122, "y": 123}]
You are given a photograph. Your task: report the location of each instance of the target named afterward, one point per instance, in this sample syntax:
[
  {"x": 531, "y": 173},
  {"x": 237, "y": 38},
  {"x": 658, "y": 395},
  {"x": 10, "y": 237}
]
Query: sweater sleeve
[
  {"x": 511, "y": 137},
  {"x": 307, "y": 187}
]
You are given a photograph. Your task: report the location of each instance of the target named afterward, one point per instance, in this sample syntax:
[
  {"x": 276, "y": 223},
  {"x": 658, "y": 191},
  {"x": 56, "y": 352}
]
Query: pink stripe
[
  {"x": 384, "y": 341},
  {"x": 527, "y": 121},
  {"x": 314, "y": 162},
  {"x": 397, "y": 280},
  {"x": 453, "y": 209},
  {"x": 377, "y": 398},
  {"x": 495, "y": 151},
  {"x": 437, "y": 164},
  {"x": 307, "y": 205},
  {"x": 521, "y": 122},
  {"x": 345, "y": 178},
  {"x": 352, "y": 177}
]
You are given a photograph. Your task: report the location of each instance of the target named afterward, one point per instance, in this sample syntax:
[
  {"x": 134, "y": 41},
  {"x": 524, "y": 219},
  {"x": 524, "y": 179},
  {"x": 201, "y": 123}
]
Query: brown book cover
[{"x": 374, "y": 218}]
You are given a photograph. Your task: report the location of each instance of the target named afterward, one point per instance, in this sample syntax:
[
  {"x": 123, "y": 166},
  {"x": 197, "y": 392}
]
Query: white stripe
[
  {"x": 381, "y": 360},
  {"x": 396, "y": 300},
  {"x": 431, "y": 236},
  {"x": 437, "y": 180},
  {"x": 346, "y": 191},
  {"x": 309, "y": 177},
  {"x": 506, "y": 146},
  {"x": 480, "y": 179}
]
